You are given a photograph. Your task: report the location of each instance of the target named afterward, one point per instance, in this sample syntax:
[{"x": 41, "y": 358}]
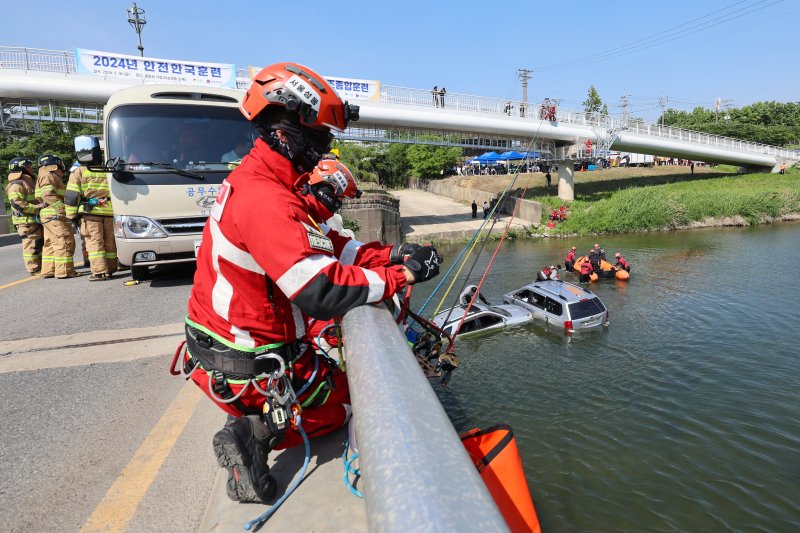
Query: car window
[
  {"x": 585, "y": 308},
  {"x": 552, "y": 306},
  {"x": 524, "y": 295},
  {"x": 470, "y": 324},
  {"x": 536, "y": 299},
  {"x": 490, "y": 320}
]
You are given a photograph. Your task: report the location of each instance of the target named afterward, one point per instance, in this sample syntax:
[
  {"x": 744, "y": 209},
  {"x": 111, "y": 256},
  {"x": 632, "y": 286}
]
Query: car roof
[
  {"x": 458, "y": 312},
  {"x": 562, "y": 290}
]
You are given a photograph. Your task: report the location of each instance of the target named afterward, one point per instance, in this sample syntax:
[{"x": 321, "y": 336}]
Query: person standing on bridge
[
  {"x": 20, "y": 192},
  {"x": 260, "y": 279},
  {"x": 88, "y": 202},
  {"x": 59, "y": 237}
]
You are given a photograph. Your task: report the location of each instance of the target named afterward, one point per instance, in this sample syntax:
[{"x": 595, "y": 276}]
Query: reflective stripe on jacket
[
  {"x": 83, "y": 186},
  {"x": 50, "y": 190},
  {"x": 264, "y": 262},
  {"x": 20, "y": 192}
]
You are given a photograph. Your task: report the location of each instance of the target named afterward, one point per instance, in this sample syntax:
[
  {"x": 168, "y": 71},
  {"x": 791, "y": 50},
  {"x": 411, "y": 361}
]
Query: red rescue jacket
[
  {"x": 571, "y": 256},
  {"x": 586, "y": 267},
  {"x": 266, "y": 261}
]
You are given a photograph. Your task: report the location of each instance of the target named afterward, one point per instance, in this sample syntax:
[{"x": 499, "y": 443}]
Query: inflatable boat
[{"x": 607, "y": 270}]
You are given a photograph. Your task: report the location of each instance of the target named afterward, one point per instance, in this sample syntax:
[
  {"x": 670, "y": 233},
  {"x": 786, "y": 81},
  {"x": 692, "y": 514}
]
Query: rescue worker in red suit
[
  {"x": 266, "y": 265},
  {"x": 569, "y": 261},
  {"x": 622, "y": 263},
  {"x": 586, "y": 270}
]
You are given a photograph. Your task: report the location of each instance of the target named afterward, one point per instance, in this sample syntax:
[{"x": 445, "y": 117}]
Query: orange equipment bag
[{"x": 496, "y": 456}]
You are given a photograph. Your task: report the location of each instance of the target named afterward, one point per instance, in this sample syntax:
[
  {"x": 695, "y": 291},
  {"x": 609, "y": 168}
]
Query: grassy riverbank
[
  {"x": 624, "y": 200},
  {"x": 723, "y": 200}
]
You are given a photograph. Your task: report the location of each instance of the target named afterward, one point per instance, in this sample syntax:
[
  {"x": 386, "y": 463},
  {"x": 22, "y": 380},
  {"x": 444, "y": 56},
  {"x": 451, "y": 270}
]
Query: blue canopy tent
[
  {"x": 512, "y": 156},
  {"x": 488, "y": 157}
]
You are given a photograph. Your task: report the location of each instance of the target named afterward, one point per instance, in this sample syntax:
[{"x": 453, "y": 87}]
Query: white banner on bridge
[
  {"x": 347, "y": 88},
  {"x": 154, "y": 70}
]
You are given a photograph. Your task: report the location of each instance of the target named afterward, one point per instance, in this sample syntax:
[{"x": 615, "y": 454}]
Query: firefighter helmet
[
  {"x": 301, "y": 90},
  {"x": 46, "y": 160},
  {"x": 338, "y": 176},
  {"x": 19, "y": 163}
]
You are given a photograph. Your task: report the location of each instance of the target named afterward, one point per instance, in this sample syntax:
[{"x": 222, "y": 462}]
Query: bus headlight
[{"x": 130, "y": 227}]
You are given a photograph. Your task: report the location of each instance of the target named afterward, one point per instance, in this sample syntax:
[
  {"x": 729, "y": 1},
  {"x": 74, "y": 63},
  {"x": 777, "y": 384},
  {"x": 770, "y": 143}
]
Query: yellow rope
[{"x": 463, "y": 262}]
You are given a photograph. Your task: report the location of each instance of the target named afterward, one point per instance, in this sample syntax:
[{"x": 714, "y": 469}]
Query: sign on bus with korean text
[{"x": 154, "y": 70}]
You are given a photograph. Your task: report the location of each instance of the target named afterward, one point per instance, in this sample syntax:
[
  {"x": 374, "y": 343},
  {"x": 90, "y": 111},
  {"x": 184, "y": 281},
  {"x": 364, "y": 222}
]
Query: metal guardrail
[
  {"x": 32, "y": 59},
  {"x": 417, "y": 475}
]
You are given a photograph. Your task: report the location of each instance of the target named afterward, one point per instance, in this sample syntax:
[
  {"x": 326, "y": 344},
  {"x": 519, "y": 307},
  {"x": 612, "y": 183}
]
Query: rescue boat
[{"x": 607, "y": 270}]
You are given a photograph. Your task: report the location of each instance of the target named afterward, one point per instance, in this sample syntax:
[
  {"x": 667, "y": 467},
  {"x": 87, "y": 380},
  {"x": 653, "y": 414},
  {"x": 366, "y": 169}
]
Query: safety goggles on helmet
[
  {"x": 337, "y": 176},
  {"x": 18, "y": 163},
  {"x": 50, "y": 159},
  {"x": 299, "y": 90}
]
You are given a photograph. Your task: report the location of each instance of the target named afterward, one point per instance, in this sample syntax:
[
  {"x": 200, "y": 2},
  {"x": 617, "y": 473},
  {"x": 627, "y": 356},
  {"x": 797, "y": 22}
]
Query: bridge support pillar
[{"x": 566, "y": 180}]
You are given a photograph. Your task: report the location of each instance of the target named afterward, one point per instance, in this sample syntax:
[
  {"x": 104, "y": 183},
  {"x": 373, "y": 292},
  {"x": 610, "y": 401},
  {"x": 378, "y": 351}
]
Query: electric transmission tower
[
  {"x": 524, "y": 75},
  {"x": 662, "y": 103},
  {"x": 137, "y": 21}
]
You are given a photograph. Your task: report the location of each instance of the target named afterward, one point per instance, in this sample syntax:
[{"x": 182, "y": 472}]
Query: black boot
[{"x": 242, "y": 447}]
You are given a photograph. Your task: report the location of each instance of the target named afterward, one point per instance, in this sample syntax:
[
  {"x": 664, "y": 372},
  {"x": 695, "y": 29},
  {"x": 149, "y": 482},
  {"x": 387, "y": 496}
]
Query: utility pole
[
  {"x": 524, "y": 75},
  {"x": 624, "y": 105},
  {"x": 137, "y": 21},
  {"x": 720, "y": 104},
  {"x": 662, "y": 102}
]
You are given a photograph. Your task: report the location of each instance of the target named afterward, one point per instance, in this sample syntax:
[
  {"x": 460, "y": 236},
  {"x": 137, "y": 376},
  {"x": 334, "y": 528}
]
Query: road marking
[
  {"x": 119, "y": 504},
  {"x": 23, "y": 280}
]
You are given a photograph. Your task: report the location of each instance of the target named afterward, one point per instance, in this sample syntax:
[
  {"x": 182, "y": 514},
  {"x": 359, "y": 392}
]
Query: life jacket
[
  {"x": 571, "y": 256},
  {"x": 586, "y": 267},
  {"x": 495, "y": 454}
]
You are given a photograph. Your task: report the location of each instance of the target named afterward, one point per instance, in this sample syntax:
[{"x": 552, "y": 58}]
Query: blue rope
[
  {"x": 447, "y": 274},
  {"x": 348, "y": 469},
  {"x": 264, "y": 517}
]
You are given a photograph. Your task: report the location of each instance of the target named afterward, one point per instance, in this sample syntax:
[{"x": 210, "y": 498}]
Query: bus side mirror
[{"x": 87, "y": 150}]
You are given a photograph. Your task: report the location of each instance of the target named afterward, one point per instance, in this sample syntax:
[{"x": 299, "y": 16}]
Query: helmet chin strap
[
  {"x": 324, "y": 194},
  {"x": 295, "y": 146}
]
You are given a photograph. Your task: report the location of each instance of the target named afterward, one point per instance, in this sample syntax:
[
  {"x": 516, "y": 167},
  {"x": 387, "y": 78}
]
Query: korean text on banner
[
  {"x": 352, "y": 89},
  {"x": 154, "y": 70}
]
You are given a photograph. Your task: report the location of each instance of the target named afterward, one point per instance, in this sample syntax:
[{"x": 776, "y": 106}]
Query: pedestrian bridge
[{"x": 42, "y": 85}]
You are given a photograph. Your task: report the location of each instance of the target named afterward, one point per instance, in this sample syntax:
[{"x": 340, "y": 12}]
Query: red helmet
[
  {"x": 617, "y": 255},
  {"x": 298, "y": 89},
  {"x": 338, "y": 176},
  {"x": 574, "y": 248}
]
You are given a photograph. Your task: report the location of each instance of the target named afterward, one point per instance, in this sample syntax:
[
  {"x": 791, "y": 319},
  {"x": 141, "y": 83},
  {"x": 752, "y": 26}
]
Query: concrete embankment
[{"x": 429, "y": 217}]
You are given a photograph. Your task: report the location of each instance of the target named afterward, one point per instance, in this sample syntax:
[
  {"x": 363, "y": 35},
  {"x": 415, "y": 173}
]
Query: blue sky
[{"x": 691, "y": 52}]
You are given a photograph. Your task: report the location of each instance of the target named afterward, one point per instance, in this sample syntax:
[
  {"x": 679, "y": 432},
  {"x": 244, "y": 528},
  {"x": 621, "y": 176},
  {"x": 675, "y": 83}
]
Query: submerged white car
[
  {"x": 561, "y": 304},
  {"x": 482, "y": 315}
]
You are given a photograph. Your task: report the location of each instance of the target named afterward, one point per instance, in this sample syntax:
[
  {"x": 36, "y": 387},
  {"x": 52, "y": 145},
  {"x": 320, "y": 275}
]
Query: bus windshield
[{"x": 190, "y": 137}]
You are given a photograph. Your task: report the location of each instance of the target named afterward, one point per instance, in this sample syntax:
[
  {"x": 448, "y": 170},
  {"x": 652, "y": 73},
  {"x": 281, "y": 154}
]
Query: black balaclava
[{"x": 304, "y": 146}]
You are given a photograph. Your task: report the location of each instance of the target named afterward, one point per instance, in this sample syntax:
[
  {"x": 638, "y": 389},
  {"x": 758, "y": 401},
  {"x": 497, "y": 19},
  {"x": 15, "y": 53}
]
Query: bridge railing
[
  {"x": 417, "y": 475},
  {"x": 32, "y": 59}
]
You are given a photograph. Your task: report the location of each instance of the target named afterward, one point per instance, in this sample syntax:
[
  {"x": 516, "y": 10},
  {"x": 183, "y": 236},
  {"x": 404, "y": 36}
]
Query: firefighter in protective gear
[
  {"x": 20, "y": 192},
  {"x": 87, "y": 201},
  {"x": 59, "y": 240},
  {"x": 267, "y": 264}
]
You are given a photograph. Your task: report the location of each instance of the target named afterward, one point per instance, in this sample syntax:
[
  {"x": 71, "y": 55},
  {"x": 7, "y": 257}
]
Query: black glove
[
  {"x": 423, "y": 263},
  {"x": 399, "y": 253}
]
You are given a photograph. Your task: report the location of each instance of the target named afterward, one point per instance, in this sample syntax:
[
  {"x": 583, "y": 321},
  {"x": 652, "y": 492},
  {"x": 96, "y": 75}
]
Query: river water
[{"x": 683, "y": 416}]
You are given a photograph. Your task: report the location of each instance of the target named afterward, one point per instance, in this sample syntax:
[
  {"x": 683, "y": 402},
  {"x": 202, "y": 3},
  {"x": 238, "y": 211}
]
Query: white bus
[{"x": 167, "y": 149}]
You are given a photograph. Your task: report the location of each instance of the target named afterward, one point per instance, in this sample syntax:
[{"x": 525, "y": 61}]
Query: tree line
[{"x": 774, "y": 123}]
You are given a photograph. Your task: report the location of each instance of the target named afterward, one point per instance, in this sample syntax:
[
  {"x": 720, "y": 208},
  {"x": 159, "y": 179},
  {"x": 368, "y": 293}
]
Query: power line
[{"x": 672, "y": 35}]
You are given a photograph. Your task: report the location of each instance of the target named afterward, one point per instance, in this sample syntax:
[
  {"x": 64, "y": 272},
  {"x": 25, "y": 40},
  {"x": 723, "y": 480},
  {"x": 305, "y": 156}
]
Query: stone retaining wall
[
  {"x": 378, "y": 214},
  {"x": 529, "y": 211}
]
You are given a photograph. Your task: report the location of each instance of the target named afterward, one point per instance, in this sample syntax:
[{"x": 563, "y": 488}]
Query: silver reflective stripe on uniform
[
  {"x": 301, "y": 273},
  {"x": 376, "y": 286},
  {"x": 348, "y": 255},
  {"x": 242, "y": 337},
  {"x": 222, "y": 293},
  {"x": 299, "y": 322}
]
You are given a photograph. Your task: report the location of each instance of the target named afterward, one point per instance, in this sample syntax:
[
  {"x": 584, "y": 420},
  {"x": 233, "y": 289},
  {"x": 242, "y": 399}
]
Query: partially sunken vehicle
[{"x": 561, "y": 304}]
